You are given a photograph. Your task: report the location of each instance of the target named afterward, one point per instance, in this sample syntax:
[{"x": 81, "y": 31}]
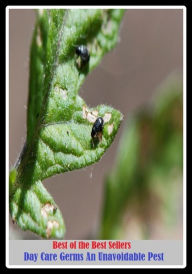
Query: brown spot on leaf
[
  {"x": 47, "y": 209},
  {"x": 91, "y": 116},
  {"x": 110, "y": 129},
  {"x": 107, "y": 117},
  {"x": 38, "y": 38},
  {"x": 50, "y": 226}
]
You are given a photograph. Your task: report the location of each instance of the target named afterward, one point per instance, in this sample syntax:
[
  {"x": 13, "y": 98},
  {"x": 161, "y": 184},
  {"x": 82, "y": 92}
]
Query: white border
[{"x": 184, "y": 137}]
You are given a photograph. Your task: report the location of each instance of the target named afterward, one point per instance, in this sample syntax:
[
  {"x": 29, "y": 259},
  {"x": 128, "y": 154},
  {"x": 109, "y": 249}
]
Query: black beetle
[
  {"x": 83, "y": 52},
  {"x": 97, "y": 129}
]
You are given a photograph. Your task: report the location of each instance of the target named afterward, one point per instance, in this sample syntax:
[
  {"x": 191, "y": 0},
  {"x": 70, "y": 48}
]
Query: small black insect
[
  {"x": 97, "y": 129},
  {"x": 83, "y": 52}
]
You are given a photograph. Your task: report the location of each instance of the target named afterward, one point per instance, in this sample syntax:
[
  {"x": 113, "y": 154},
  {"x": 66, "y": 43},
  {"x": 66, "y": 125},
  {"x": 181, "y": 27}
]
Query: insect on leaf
[{"x": 59, "y": 122}]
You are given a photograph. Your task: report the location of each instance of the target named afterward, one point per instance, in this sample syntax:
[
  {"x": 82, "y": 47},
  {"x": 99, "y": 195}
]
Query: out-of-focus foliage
[{"x": 143, "y": 193}]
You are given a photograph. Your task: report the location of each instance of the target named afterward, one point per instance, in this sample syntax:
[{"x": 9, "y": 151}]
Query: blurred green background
[{"x": 143, "y": 193}]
